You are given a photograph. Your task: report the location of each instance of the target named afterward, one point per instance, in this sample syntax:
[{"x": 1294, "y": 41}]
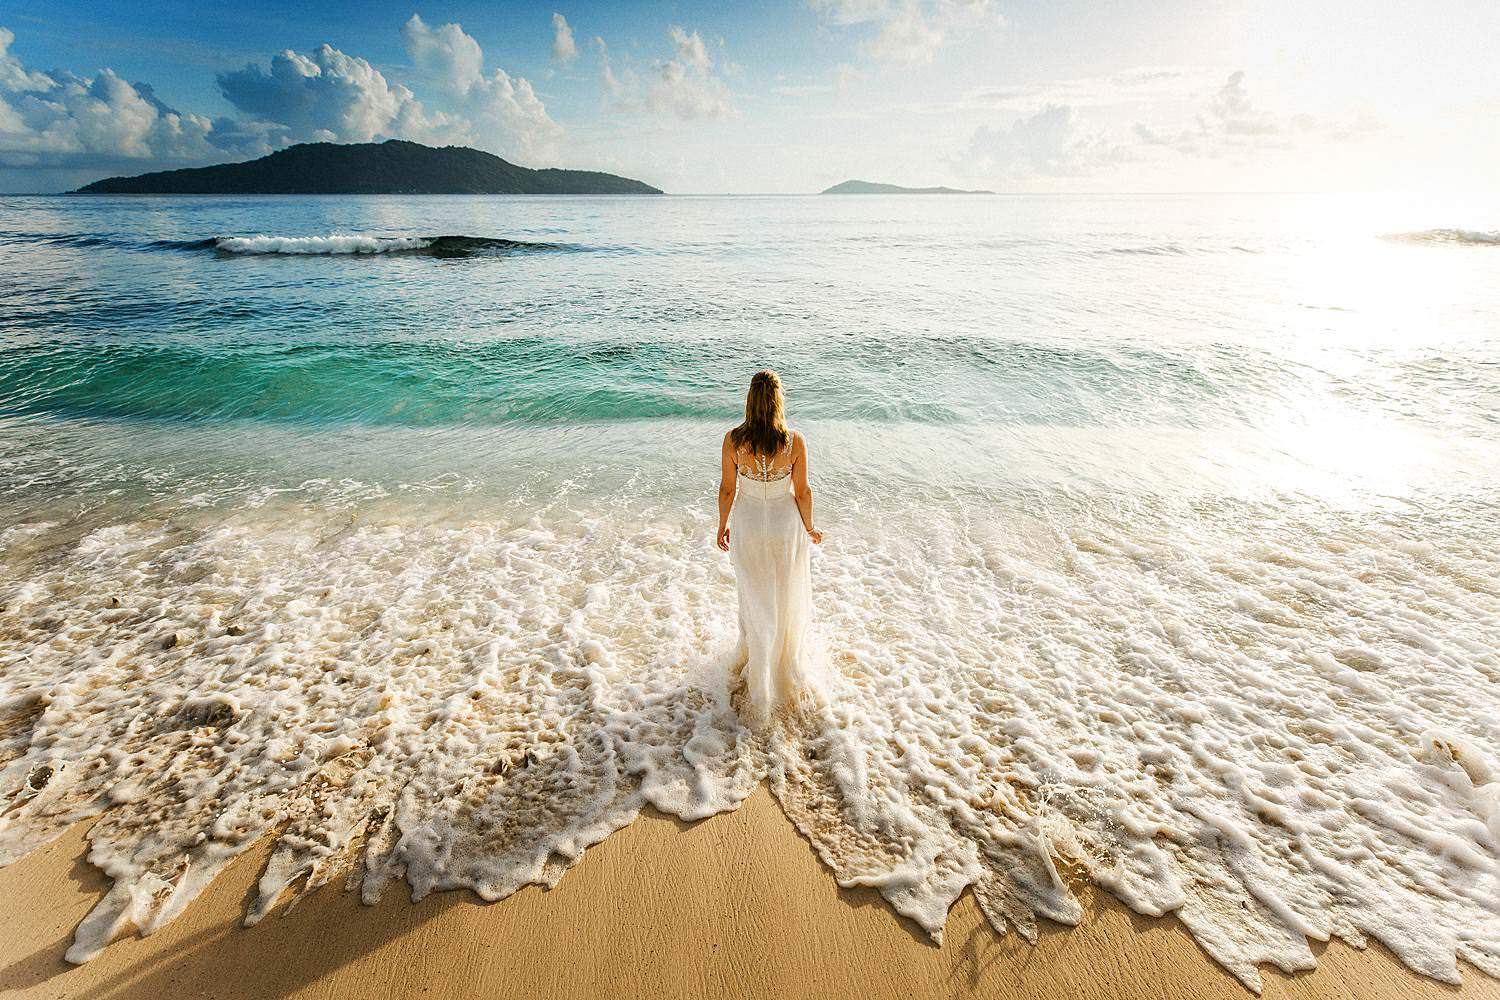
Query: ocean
[{"x": 1161, "y": 546}]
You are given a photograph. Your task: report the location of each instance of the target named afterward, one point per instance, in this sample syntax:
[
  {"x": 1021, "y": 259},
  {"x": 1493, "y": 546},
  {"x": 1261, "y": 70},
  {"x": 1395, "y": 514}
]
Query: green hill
[
  {"x": 870, "y": 187},
  {"x": 392, "y": 167}
]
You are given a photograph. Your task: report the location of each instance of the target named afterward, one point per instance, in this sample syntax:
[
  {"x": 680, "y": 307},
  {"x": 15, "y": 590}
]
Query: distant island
[
  {"x": 392, "y": 167},
  {"x": 869, "y": 187}
]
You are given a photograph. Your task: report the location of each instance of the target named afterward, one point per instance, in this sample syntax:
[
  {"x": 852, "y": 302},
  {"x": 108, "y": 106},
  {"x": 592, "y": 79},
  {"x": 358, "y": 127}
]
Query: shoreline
[{"x": 736, "y": 905}]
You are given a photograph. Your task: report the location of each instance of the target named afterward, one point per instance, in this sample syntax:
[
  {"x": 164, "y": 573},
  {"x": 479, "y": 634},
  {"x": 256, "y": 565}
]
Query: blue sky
[{"x": 792, "y": 96}]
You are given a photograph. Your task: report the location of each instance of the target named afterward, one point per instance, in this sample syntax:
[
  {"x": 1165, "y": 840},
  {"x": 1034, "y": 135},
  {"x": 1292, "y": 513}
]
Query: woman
[{"x": 765, "y": 507}]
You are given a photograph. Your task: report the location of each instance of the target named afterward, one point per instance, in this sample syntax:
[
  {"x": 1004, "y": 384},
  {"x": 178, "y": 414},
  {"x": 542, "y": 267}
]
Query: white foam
[
  {"x": 1473, "y": 236},
  {"x": 334, "y": 244},
  {"x": 1276, "y": 742}
]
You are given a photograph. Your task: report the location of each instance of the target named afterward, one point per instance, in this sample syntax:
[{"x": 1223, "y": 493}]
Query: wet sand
[{"x": 735, "y": 906}]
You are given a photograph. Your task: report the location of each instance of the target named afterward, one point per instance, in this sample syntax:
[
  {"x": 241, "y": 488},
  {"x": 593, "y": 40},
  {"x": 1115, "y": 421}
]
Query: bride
[{"x": 765, "y": 524}]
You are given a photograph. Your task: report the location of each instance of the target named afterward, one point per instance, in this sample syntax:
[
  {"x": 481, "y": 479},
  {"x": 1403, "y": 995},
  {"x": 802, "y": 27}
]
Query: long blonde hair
[{"x": 764, "y": 429}]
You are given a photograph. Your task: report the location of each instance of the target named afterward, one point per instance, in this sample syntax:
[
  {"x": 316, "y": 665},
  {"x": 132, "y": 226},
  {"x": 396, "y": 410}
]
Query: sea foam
[
  {"x": 1475, "y": 237},
  {"x": 351, "y": 243},
  {"x": 1278, "y": 741}
]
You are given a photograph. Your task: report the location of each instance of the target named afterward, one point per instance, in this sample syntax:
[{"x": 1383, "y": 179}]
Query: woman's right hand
[
  {"x": 723, "y": 540},
  {"x": 816, "y": 536}
]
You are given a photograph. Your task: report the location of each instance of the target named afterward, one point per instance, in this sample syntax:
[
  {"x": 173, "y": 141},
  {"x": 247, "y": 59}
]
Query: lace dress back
[
  {"x": 771, "y": 553},
  {"x": 764, "y": 470}
]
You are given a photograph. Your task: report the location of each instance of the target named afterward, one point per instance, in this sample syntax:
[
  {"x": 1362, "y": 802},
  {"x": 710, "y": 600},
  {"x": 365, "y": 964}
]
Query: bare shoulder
[
  {"x": 797, "y": 447},
  {"x": 729, "y": 440}
]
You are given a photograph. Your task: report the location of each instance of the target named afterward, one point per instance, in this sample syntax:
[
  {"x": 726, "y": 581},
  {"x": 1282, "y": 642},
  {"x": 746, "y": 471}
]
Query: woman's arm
[
  {"x": 728, "y": 479},
  {"x": 800, "y": 488}
]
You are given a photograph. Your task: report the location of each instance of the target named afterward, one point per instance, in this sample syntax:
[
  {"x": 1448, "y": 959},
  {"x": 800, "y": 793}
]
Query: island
[
  {"x": 392, "y": 167},
  {"x": 870, "y": 187}
]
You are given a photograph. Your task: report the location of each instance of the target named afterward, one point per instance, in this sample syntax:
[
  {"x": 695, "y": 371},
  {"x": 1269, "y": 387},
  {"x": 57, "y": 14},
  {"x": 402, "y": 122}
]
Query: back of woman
[{"x": 766, "y": 526}]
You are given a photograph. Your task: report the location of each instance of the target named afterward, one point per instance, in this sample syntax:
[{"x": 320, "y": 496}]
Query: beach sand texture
[{"x": 734, "y": 906}]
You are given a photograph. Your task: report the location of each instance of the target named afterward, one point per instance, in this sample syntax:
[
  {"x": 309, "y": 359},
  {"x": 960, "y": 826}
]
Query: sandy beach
[{"x": 735, "y": 906}]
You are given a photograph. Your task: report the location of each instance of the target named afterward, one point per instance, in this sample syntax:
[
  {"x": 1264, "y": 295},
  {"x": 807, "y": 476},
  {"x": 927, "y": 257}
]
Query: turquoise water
[
  {"x": 1275, "y": 326},
  {"x": 1161, "y": 539}
]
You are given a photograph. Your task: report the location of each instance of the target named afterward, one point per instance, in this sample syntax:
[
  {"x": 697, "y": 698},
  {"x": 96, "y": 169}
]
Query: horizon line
[{"x": 774, "y": 194}]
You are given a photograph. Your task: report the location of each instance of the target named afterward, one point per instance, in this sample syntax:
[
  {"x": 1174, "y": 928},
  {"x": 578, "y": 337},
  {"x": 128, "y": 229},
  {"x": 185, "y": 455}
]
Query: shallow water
[{"x": 1162, "y": 545}]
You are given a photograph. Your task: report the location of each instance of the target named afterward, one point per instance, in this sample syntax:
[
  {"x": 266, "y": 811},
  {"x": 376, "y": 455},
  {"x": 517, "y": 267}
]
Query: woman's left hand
[
  {"x": 723, "y": 540},
  {"x": 816, "y": 536}
]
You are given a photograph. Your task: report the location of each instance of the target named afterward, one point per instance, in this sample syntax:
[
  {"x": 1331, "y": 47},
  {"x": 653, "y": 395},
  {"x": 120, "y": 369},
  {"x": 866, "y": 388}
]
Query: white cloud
[
  {"x": 564, "y": 49},
  {"x": 1052, "y": 142},
  {"x": 906, "y": 37},
  {"x": 329, "y": 96},
  {"x": 687, "y": 86},
  {"x": 62, "y": 119},
  {"x": 15, "y": 78},
  {"x": 1232, "y": 110},
  {"x": 616, "y": 86},
  {"x": 508, "y": 115},
  {"x": 1230, "y": 124},
  {"x": 690, "y": 49},
  {"x": 447, "y": 51},
  {"x": 497, "y": 111}
]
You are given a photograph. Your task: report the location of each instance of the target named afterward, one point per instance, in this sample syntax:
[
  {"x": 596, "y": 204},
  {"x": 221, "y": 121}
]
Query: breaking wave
[
  {"x": 302, "y": 246},
  {"x": 1471, "y": 237},
  {"x": 358, "y": 243}
]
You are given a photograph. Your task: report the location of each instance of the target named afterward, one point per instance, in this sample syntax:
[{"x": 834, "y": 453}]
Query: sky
[{"x": 777, "y": 97}]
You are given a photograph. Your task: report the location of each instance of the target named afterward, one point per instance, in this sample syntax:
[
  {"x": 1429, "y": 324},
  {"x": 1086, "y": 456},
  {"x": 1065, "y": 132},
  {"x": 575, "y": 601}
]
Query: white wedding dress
[{"x": 771, "y": 553}]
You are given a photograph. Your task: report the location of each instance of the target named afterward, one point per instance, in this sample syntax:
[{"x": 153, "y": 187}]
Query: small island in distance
[
  {"x": 392, "y": 167},
  {"x": 870, "y": 187}
]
